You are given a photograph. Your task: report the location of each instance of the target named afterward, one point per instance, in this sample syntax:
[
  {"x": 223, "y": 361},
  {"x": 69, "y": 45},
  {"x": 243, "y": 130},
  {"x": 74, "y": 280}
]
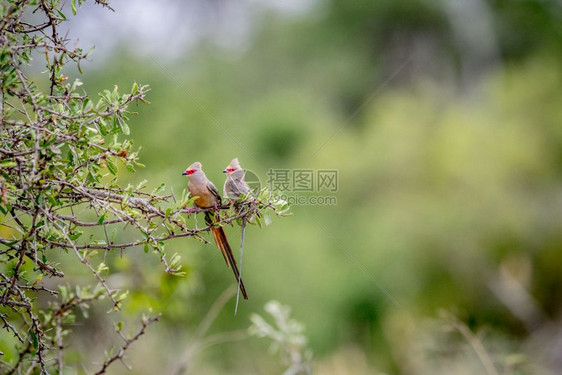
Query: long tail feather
[
  {"x": 224, "y": 246},
  {"x": 218, "y": 241},
  {"x": 216, "y": 236},
  {"x": 243, "y": 228}
]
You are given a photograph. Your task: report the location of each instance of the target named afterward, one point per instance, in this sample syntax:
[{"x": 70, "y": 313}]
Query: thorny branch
[{"x": 145, "y": 322}]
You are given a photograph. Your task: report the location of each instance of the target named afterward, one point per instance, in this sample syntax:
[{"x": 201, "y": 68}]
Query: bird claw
[{"x": 190, "y": 210}]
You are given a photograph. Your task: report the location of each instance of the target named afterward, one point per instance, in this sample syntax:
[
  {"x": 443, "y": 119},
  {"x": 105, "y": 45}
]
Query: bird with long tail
[
  {"x": 235, "y": 187},
  {"x": 208, "y": 197}
]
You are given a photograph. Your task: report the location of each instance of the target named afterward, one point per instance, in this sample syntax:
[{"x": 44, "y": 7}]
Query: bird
[
  {"x": 235, "y": 185},
  {"x": 208, "y": 197}
]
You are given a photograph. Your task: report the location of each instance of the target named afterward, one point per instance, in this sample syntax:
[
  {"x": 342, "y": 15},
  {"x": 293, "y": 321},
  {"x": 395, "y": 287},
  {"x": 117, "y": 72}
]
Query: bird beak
[
  {"x": 225, "y": 171},
  {"x": 184, "y": 173}
]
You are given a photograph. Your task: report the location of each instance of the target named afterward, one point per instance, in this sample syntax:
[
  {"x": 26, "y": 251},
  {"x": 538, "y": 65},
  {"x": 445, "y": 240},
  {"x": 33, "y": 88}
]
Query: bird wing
[{"x": 213, "y": 189}]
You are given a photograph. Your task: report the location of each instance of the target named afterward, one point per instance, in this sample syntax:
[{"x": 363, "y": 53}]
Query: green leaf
[
  {"x": 130, "y": 167},
  {"x": 52, "y": 200},
  {"x": 8, "y": 164},
  {"x": 161, "y": 187},
  {"x": 124, "y": 126},
  {"x": 122, "y": 296},
  {"x": 69, "y": 318},
  {"x": 38, "y": 279},
  {"x": 75, "y": 236},
  {"x": 61, "y": 14},
  {"x": 63, "y": 293},
  {"x": 175, "y": 261},
  {"x": 141, "y": 185},
  {"x": 102, "y": 125},
  {"x": 111, "y": 166},
  {"x": 267, "y": 219},
  {"x": 87, "y": 105},
  {"x": 102, "y": 267},
  {"x": 34, "y": 339}
]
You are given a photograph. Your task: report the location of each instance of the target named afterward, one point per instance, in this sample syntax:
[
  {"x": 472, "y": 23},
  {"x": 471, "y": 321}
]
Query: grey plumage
[{"x": 235, "y": 185}]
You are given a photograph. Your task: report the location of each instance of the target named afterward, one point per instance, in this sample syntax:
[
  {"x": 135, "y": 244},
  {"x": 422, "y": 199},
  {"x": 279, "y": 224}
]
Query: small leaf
[
  {"x": 101, "y": 219},
  {"x": 267, "y": 219},
  {"x": 161, "y": 187},
  {"x": 61, "y": 14},
  {"x": 102, "y": 267},
  {"x": 111, "y": 166},
  {"x": 124, "y": 126},
  {"x": 130, "y": 167},
  {"x": 34, "y": 339},
  {"x": 75, "y": 235},
  {"x": 8, "y": 164},
  {"x": 102, "y": 125},
  {"x": 39, "y": 277}
]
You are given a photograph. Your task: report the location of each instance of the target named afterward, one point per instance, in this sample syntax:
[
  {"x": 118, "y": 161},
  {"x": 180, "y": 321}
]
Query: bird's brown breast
[
  {"x": 206, "y": 198},
  {"x": 204, "y": 202}
]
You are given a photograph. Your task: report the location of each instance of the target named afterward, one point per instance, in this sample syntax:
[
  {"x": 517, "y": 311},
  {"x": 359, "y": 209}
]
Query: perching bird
[
  {"x": 208, "y": 197},
  {"x": 234, "y": 186}
]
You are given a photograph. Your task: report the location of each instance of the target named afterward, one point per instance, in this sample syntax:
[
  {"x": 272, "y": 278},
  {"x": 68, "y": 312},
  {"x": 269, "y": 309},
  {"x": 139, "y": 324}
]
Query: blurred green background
[{"x": 443, "y": 120}]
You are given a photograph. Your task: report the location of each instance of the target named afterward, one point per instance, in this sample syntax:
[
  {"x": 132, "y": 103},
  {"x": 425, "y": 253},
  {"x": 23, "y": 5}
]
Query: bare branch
[{"x": 121, "y": 352}]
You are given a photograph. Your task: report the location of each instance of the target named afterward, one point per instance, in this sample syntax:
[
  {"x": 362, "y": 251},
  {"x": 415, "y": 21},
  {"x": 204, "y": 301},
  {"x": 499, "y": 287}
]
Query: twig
[
  {"x": 476, "y": 345},
  {"x": 121, "y": 352},
  {"x": 203, "y": 327}
]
